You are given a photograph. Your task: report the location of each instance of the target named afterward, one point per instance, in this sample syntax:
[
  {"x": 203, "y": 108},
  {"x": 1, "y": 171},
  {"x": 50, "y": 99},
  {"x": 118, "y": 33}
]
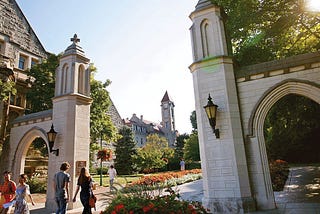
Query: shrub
[
  {"x": 136, "y": 204},
  {"x": 104, "y": 170},
  {"x": 279, "y": 172},
  {"x": 37, "y": 185}
]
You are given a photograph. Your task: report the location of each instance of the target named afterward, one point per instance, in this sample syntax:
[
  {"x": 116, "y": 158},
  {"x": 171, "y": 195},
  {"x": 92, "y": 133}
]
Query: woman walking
[
  {"x": 21, "y": 205},
  {"x": 85, "y": 182}
]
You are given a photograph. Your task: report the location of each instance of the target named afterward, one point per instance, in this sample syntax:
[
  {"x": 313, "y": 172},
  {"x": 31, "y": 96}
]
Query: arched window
[
  {"x": 81, "y": 80},
  {"x": 204, "y": 38},
  {"x": 64, "y": 79}
]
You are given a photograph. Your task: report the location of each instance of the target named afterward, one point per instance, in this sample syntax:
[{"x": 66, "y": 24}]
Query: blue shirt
[{"x": 60, "y": 179}]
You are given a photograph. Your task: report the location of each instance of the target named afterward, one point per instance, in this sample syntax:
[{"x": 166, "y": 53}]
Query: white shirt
[{"x": 112, "y": 173}]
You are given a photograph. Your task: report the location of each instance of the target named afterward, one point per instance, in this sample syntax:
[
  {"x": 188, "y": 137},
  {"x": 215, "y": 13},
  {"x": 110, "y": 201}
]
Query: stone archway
[
  {"x": 23, "y": 146},
  {"x": 256, "y": 144},
  {"x": 271, "y": 96}
]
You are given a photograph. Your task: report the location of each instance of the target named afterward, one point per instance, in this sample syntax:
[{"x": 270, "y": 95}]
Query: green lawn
[{"x": 122, "y": 179}]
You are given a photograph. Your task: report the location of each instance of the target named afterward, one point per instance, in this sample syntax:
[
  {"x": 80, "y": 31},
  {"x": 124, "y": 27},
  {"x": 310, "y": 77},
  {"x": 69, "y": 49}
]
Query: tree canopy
[
  {"x": 100, "y": 122},
  {"x": 292, "y": 130},
  {"x": 262, "y": 30},
  {"x": 191, "y": 148},
  {"x": 154, "y": 155},
  {"x": 5, "y": 89},
  {"x": 42, "y": 79}
]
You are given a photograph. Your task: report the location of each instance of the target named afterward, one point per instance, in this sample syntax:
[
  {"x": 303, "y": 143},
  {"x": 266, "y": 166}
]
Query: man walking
[
  {"x": 8, "y": 190},
  {"x": 61, "y": 188},
  {"x": 112, "y": 174}
]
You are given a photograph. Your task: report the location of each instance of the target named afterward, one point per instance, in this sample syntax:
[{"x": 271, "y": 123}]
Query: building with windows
[
  {"x": 141, "y": 128},
  {"x": 20, "y": 48}
]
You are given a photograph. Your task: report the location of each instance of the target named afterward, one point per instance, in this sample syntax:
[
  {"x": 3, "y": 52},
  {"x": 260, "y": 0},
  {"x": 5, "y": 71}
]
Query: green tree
[
  {"x": 125, "y": 150},
  {"x": 100, "y": 123},
  {"x": 178, "y": 152},
  {"x": 191, "y": 148},
  {"x": 7, "y": 87},
  {"x": 291, "y": 130},
  {"x": 154, "y": 155},
  {"x": 269, "y": 30},
  {"x": 181, "y": 140},
  {"x": 193, "y": 120},
  {"x": 42, "y": 80}
]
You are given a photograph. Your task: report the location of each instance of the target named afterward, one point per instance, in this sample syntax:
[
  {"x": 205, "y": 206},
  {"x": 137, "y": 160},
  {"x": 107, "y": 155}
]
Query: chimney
[{"x": 141, "y": 117}]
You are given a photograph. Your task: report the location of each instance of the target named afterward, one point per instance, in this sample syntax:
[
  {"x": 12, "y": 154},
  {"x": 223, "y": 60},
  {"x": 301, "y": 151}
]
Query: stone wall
[{"x": 16, "y": 30}]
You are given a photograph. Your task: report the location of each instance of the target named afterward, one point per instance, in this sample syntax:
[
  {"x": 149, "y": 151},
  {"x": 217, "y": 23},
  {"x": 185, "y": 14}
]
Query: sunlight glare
[{"x": 313, "y": 5}]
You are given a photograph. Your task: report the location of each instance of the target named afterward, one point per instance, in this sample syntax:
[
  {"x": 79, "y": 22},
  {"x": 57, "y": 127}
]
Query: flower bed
[
  {"x": 146, "y": 195},
  {"x": 164, "y": 177},
  {"x": 169, "y": 204},
  {"x": 279, "y": 172}
]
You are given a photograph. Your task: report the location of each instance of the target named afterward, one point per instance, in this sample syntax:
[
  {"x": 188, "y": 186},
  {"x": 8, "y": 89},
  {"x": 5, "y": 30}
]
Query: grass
[{"x": 121, "y": 179}]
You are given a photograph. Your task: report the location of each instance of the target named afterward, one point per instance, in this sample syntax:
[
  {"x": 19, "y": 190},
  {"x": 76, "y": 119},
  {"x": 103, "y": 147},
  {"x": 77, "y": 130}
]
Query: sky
[{"x": 142, "y": 46}]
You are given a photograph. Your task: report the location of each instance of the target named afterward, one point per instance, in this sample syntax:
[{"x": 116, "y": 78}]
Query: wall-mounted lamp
[
  {"x": 211, "y": 110},
  {"x": 51, "y": 137}
]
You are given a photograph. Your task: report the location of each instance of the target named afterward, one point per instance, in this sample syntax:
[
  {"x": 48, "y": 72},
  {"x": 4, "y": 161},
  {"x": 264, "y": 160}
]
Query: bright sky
[{"x": 142, "y": 46}]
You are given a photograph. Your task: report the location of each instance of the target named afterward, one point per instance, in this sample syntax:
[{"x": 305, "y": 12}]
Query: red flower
[
  {"x": 119, "y": 207},
  {"x": 147, "y": 208}
]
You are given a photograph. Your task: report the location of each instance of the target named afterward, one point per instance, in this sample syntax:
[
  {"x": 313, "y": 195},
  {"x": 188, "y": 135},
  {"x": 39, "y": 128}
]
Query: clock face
[{"x": 165, "y": 105}]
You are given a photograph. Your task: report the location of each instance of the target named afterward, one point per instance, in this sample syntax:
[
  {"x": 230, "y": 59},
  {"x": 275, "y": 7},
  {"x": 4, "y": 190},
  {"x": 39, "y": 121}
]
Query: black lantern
[
  {"x": 211, "y": 110},
  {"x": 51, "y": 137}
]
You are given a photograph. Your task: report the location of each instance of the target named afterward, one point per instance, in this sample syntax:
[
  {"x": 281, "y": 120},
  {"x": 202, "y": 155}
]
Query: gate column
[
  {"x": 224, "y": 165},
  {"x": 71, "y": 117}
]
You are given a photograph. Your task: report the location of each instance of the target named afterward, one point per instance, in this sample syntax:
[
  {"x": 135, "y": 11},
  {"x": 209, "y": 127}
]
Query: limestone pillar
[
  {"x": 71, "y": 117},
  {"x": 224, "y": 166}
]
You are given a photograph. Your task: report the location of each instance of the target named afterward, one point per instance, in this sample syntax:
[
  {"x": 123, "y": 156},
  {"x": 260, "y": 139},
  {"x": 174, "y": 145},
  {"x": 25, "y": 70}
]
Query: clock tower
[{"x": 168, "y": 121}]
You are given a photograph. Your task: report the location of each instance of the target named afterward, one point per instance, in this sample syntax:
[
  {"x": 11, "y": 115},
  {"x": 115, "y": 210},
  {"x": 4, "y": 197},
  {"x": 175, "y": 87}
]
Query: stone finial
[{"x": 75, "y": 39}]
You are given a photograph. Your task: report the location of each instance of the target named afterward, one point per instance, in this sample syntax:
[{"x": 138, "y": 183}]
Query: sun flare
[{"x": 313, "y": 5}]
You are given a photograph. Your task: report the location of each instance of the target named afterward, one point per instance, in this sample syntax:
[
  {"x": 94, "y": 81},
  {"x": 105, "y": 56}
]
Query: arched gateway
[
  {"x": 70, "y": 117},
  {"x": 235, "y": 166}
]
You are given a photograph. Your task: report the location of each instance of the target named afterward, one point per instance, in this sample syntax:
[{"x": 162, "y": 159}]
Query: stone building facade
[
  {"x": 141, "y": 128},
  {"x": 20, "y": 48}
]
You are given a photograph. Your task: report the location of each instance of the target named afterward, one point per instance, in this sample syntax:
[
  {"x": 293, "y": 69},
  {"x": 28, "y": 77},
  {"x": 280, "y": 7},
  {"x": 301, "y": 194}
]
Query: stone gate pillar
[
  {"x": 70, "y": 117},
  {"x": 223, "y": 160}
]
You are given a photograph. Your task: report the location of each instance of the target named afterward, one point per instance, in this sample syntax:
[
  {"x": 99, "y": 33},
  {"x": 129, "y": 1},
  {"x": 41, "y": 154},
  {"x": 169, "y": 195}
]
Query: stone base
[{"x": 229, "y": 205}]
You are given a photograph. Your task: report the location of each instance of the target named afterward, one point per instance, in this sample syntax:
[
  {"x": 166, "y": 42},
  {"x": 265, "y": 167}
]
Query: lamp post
[
  {"x": 51, "y": 138},
  {"x": 211, "y": 111}
]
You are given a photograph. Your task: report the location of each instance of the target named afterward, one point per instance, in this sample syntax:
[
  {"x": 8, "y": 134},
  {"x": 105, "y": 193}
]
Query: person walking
[
  {"x": 8, "y": 190},
  {"x": 112, "y": 174},
  {"x": 182, "y": 165},
  {"x": 61, "y": 188},
  {"x": 23, "y": 190},
  {"x": 85, "y": 182}
]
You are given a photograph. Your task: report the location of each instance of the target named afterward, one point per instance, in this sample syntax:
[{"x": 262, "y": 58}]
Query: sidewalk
[{"x": 301, "y": 194}]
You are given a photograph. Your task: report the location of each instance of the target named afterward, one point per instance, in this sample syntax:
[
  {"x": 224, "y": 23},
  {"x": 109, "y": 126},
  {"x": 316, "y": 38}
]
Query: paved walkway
[{"x": 301, "y": 194}]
